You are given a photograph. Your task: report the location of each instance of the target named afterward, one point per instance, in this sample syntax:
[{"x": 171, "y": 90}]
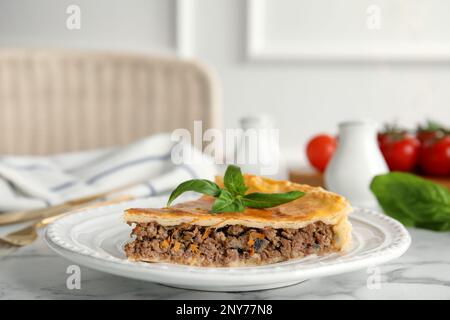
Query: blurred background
[
  {"x": 307, "y": 66},
  {"x": 106, "y": 77}
]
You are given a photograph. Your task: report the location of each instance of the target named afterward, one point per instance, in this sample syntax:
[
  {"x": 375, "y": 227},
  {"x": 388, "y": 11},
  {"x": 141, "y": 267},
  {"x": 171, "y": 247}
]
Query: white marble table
[{"x": 423, "y": 272}]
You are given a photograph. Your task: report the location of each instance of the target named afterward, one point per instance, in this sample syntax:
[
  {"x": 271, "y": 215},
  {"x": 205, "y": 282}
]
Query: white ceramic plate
[{"x": 94, "y": 238}]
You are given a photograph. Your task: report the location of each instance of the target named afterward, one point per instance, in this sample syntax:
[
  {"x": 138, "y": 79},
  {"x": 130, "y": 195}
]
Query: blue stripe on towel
[
  {"x": 16, "y": 192},
  {"x": 30, "y": 167},
  {"x": 64, "y": 185},
  {"x": 151, "y": 189}
]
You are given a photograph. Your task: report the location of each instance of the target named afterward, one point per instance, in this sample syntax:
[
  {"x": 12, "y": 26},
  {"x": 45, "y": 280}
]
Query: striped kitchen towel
[{"x": 28, "y": 182}]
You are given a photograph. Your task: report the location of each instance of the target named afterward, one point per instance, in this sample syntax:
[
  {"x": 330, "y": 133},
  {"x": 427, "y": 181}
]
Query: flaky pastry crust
[{"x": 316, "y": 205}]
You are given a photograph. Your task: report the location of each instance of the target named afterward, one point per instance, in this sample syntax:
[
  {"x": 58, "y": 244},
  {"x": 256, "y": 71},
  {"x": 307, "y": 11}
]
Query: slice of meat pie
[{"x": 188, "y": 233}]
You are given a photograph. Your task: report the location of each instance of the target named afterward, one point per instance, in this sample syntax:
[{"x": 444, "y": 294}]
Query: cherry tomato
[
  {"x": 435, "y": 157},
  {"x": 432, "y": 130},
  {"x": 383, "y": 139},
  {"x": 320, "y": 149},
  {"x": 400, "y": 150},
  {"x": 427, "y": 135}
]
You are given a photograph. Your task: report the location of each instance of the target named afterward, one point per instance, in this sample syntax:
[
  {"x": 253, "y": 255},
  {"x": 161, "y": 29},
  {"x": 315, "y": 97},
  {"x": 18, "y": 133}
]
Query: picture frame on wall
[{"x": 380, "y": 30}]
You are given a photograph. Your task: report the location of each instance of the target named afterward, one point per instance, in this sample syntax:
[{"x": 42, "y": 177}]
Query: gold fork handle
[
  {"x": 53, "y": 217},
  {"x": 28, "y": 235},
  {"x": 33, "y": 214},
  {"x": 22, "y": 216},
  {"x": 27, "y": 215}
]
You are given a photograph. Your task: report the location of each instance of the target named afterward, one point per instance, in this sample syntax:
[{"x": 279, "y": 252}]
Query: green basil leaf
[
  {"x": 435, "y": 226},
  {"x": 268, "y": 200},
  {"x": 226, "y": 202},
  {"x": 233, "y": 198},
  {"x": 413, "y": 200},
  {"x": 197, "y": 185},
  {"x": 234, "y": 181}
]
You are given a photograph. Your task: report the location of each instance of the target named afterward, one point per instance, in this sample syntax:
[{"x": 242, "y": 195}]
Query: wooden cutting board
[{"x": 316, "y": 179}]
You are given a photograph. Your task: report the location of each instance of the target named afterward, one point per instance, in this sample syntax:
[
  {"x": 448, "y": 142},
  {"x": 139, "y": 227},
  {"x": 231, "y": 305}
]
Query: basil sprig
[
  {"x": 413, "y": 201},
  {"x": 226, "y": 202},
  {"x": 232, "y": 197},
  {"x": 198, "y": 185},
  {"x": 267, "y": 200},
  {"x": 234, "y": 181}
]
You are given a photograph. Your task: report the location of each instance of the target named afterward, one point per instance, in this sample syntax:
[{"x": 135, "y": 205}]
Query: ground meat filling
[{"x": 224, "y": 246}]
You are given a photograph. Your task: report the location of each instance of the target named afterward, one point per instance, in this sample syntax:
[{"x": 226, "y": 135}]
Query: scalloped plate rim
[{"x": 224, "y": 279}]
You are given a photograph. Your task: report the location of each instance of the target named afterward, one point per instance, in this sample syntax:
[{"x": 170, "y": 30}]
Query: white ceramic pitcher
[{"x": 356, "y": 161}]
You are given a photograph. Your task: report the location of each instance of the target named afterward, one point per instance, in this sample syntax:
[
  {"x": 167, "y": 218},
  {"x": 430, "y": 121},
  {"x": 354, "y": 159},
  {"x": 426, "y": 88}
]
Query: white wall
[
  {"x": 138, "y": 25},
  {"x": 307, "y": 97},
  {"x": 304, "y": 96}
]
